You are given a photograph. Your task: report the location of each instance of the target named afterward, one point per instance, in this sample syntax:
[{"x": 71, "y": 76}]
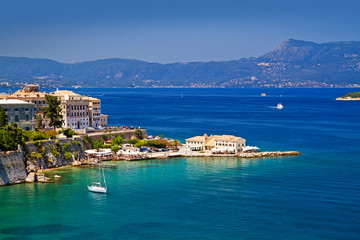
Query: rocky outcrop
[
  {"x": 268, "y": 154},
  {"x": 20, "y": 166},
  {"x": 53, "y": 153},
  {"x": 12, "y": 168}
]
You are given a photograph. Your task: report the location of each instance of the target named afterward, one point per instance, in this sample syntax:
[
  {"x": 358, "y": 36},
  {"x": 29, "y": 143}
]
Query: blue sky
[{"x": 168, "y": 31}]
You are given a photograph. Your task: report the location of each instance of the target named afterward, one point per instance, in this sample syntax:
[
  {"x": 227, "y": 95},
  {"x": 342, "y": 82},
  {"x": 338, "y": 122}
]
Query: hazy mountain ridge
[{"x": 293, "y": 63}]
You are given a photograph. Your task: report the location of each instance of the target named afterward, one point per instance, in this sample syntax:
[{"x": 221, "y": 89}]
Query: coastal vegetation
[{"x": 351, "y": 95}]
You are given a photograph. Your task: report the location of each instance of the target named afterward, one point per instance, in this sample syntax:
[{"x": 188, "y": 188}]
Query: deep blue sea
[{"x": 312, "y": 196}]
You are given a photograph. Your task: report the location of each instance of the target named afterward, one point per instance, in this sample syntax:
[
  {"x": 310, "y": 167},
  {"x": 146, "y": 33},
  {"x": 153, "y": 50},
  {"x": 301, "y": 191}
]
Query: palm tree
[{"x": 176, "y": 143}]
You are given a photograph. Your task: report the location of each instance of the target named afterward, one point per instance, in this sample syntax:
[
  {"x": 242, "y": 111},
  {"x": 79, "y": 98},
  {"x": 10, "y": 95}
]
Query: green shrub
[
  {"x": 77, "y": 143},
  {"x": 69, "y": 133},
  {"x": 33, "y": 155},
  {"x": 132, "y": 141},
  {"x": 67, "y": 155},
  {"x": 51, "y": 134}
]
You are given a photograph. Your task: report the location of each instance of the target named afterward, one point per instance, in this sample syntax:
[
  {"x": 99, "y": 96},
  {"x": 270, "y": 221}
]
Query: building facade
[
  {"x": 20, "y": 112},
  {"x": 75, "y": 109},
  {"x": 31, "y": 94},
  {"x": 94, "y": 111},
  {"x": 216, "y": 143},
  {"x": 104, "y": 120}
]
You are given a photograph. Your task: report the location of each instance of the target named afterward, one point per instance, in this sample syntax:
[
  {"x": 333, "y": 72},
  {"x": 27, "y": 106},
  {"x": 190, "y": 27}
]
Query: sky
[{"x": 168, "y": 31}]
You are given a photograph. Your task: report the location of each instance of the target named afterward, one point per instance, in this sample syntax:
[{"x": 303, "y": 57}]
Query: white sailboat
[
  {"x": 97, "y": 187},
  {"x": 279, "y": 106}
]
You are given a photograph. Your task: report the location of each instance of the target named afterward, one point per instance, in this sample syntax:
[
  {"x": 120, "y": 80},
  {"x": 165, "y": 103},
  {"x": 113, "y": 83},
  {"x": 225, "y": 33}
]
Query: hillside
[{"x": 293, "y": 63}]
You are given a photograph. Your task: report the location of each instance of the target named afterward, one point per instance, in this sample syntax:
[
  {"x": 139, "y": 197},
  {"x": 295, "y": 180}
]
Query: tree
[
  {"x": 98, "y": 144},
  {"x": 10, "y": 137},
  {"x": 3, "y": 121},
  {"x": 53, "y": 111},
  {"x": 176, "y": 143},
  {"x": 138, "y": 133},
  {"x": 119, "y": 140},
  {"x": 115, "y": 148},
  {"x": 142, "y": 143},
  {"x": 132, "y": 141},
  {"x": 39, "y": 122},
  {"x": 69, "y": 132}
]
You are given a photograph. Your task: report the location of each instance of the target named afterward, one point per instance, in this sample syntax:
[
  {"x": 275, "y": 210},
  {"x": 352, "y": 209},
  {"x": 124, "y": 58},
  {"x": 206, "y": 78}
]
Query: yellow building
[
  {"x": 31, "y": 94},
  {"x": 216, "y": 143},
  {"x": 104, "y": 120}
]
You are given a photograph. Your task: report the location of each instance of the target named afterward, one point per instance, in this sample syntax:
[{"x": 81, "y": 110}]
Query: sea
[{"x": 312, "y": 196}]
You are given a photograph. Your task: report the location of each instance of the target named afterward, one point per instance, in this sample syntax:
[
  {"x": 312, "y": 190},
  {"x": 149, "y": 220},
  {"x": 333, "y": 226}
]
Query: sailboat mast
[{"x": 104, "y": 177}]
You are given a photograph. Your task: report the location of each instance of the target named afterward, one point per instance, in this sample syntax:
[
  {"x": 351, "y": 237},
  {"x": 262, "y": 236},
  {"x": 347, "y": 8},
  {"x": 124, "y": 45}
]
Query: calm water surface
[{"x": 312, "y": 196}]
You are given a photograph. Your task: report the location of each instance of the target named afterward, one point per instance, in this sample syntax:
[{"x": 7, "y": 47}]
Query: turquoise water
[{"x": 312, "y": 196}]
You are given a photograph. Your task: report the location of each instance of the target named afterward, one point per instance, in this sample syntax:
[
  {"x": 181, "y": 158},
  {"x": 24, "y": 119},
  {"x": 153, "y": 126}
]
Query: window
[
  {"x": 16, "y": 109},
  {"x": 27, "y": 117},
  {"x": 16, "y": 118},
  {"x": 26, "y": 109}
]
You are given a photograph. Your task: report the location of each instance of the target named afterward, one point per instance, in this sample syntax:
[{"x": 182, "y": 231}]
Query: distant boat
[
  {"x": 279, "y": 106},
  {"x": 263, "y": 94},
  {"x": 182, "y": 95},
  {"x": 96, "y": 186}
]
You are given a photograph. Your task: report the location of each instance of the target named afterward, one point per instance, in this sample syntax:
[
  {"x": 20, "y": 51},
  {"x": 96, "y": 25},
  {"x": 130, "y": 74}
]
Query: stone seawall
[
  {"x": 127, "y": 134},
  {"x": 12, "y": 168}
]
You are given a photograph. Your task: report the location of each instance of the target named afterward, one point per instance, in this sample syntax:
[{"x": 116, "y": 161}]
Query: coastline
[{"x": 347, "y": 99}]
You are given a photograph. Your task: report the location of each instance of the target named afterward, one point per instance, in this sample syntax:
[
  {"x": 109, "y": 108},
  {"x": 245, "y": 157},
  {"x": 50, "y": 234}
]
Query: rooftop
[{"x": 13, "y": 102}]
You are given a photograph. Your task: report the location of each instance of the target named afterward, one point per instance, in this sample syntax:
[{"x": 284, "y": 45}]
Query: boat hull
[{"x": 97, "y": 189}]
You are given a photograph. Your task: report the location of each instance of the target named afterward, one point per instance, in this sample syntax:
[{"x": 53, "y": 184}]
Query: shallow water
[{"x": 312, "y": 196}]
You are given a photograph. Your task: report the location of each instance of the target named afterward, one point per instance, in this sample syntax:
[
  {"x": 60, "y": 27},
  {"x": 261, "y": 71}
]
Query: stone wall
[
  {"x": 12, "y": 168},
  {"x": 127, "y": 134}
]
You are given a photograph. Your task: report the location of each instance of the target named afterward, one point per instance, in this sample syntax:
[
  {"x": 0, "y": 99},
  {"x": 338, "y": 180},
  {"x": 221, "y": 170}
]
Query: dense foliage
[
  {"x": 68, "y": 132},
  {"x": 2, "y": 117},
  {"x": 138, "y": 134},
  {"x": 10, "y": 137}
]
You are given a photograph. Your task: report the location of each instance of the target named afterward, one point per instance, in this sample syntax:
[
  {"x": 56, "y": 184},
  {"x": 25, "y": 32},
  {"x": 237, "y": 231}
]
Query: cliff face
[
  {"x": 54, "y": 153},
  {"x": 16, "y": 165},
  {"x": 12, "y": 168}
]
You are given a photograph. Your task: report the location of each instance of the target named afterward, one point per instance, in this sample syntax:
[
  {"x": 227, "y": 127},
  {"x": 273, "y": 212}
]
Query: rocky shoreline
[{"x": 347, "y": 99}]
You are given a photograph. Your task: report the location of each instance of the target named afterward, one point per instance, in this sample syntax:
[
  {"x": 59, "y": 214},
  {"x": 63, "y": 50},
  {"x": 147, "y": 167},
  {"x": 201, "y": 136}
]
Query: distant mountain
[{"x": 293, "y": 63}]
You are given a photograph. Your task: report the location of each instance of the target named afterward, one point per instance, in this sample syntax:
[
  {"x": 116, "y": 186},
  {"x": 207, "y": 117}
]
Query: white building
[
  {"x": 216, "y": 143},
  {"x": 75, "y": 109}
]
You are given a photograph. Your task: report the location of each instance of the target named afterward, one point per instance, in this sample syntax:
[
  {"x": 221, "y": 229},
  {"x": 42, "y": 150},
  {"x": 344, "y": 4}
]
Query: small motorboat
[
  {"x": 96, "y": 187},
  {"x": 279, "y": 106}
]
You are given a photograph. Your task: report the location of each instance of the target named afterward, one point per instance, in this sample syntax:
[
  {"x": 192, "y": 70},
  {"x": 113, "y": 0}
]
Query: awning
[{"x": 248, "y": 148}]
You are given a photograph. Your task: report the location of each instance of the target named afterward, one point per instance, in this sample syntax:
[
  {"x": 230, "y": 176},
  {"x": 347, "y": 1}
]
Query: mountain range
[{"x": 293, "y": 63}]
